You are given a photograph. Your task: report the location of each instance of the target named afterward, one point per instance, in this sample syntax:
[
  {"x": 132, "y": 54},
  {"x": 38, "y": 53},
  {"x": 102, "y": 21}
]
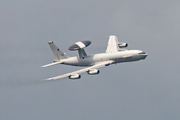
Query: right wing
[
  {"x": 112, "y": 45},
  {"x": 102, "y": 64}
]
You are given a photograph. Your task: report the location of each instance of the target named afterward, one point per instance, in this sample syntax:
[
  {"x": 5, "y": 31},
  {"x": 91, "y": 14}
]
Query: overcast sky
[{"x": 144, "y": 90}]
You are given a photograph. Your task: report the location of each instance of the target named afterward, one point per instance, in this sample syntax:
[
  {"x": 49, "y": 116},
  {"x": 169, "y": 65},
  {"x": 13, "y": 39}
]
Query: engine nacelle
[
  {"x": 75, "y": 76},
  {"x": 122, "y": 45},
  {"x": 93, "y": 72}
]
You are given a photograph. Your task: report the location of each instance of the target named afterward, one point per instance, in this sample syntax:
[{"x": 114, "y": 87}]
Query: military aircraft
[{"x": 114, "y": 54}]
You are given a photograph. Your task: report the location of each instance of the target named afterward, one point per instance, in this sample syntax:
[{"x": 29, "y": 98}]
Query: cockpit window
[{"x": 142, "y": 53}]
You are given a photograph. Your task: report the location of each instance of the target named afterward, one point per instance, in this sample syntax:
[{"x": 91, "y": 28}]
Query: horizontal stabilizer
[{"x": 51, "y": 64}]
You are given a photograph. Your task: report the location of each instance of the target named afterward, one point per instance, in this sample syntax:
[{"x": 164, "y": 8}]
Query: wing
[
  {"x": 102, "y": 64},
  {"x": 112, "y": 45}
]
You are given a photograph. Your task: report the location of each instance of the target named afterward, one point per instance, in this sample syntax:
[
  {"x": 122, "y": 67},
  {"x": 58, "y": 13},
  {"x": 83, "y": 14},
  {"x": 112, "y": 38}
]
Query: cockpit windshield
[{"x": 141, "y": 53}]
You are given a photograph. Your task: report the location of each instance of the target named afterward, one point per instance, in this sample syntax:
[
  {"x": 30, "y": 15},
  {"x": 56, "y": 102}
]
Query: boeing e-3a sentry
[{"x": 114, "y": 54}]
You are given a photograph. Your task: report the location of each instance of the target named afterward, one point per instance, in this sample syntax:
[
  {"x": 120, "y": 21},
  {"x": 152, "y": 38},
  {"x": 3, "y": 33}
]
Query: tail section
[{"x": 56, "y": 51}]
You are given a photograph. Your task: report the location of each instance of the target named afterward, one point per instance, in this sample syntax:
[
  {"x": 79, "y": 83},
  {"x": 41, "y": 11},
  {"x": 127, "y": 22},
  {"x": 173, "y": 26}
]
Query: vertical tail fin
[{"x": 56, "y": 51}]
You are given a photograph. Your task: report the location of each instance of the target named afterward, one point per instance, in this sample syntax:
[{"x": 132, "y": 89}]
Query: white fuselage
[{"x": 118, "y": 57}]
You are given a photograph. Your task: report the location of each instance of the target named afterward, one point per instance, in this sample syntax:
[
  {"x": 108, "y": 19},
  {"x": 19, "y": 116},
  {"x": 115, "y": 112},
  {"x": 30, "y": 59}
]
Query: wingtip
[
  {"x": 45, "y": 66},
  {"x": 49, "y": 79},
  {"x": 50, "y": 42}
]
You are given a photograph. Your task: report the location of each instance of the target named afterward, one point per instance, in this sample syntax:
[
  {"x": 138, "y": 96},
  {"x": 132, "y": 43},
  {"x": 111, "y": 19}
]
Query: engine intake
[
  {"x": 75, "y": 76},
  {"x": 93, "y": 72},
  {"x": 122, "y": 45}
]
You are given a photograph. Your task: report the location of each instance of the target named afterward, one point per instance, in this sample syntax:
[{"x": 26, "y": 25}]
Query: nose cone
[{"x": 144, "y": 56}]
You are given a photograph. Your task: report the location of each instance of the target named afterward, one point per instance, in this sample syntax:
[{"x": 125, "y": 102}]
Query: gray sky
[{"x": 143, "y": 90}]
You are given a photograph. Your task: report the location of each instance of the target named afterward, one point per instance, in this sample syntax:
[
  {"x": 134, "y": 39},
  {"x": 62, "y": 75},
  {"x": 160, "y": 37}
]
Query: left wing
[{"x": 102, "y": 64}]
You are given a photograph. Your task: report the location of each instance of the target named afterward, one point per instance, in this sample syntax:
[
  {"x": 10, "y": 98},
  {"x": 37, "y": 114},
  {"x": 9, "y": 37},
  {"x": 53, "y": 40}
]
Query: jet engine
[
  {"x": 93, "y": 72},
  {"x": 75, "y": 76},
  {"x": 122, "y": 45}
]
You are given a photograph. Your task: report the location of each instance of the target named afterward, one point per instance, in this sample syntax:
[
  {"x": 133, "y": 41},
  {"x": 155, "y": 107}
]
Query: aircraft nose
[{"x": 144, "y": 56}]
